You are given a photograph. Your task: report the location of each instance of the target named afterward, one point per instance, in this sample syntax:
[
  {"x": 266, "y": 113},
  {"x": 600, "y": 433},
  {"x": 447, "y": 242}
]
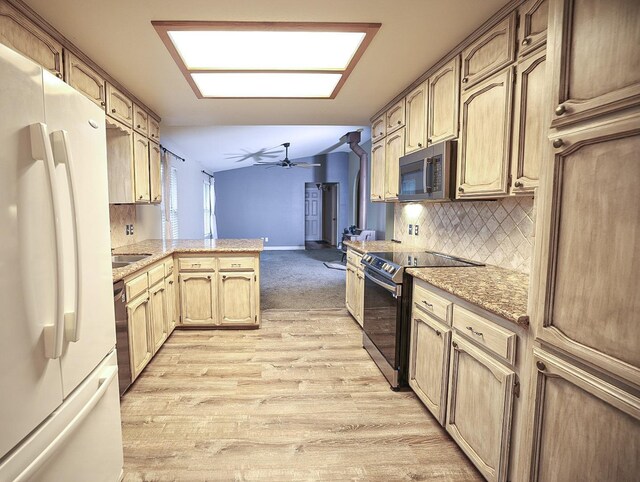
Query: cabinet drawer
[
  {"x": 496, "y": 339},
  {"x": 136, "y": 286},
  {"x": 197, "y": 264},
  {"x": 354, "y": 258},
  {"x": 245, "y": 262},
  {"x": 168, "y": 267},
  {"x": 156, "y": 274},
  {"x": 432, "y": 303}
]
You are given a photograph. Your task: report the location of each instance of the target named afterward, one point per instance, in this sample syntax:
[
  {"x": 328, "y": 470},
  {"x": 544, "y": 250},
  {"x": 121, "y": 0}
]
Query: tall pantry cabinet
[{"x": 585, "y": 413}]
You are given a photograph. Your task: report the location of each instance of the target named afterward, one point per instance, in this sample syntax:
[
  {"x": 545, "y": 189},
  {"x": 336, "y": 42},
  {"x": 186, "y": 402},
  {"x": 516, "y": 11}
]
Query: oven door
[{"x": 382, "y": 315}]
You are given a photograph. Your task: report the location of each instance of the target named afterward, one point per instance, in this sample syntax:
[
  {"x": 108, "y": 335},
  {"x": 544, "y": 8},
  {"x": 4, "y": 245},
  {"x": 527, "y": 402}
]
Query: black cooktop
[{"x": 424, "y": 259}]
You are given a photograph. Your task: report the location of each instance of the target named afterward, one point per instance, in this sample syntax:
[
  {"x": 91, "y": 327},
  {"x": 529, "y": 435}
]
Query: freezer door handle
[
  {"x": 62, "y": 154},
  {"x": 41, "y": 151},
  {"x": 104, "y": 382}
]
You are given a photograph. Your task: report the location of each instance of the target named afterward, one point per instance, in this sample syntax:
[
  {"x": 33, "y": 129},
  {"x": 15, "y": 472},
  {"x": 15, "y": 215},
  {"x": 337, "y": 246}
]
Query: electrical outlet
[
  {"x": 129, "y": 229},
  {"x": 410, "y": 229},
  {"x": 266, "y": 239},
  {"x": 415, "y": 230}
]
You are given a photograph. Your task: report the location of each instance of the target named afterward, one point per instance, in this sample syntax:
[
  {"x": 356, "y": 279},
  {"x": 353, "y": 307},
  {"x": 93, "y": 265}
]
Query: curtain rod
[
  {"x": 205, "y": 172},
  {"x": 164, "y": 149}
]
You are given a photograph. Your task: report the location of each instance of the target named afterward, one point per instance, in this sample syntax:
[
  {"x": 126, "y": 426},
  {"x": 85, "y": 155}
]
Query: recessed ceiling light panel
[{"x": 265, "y": 59}]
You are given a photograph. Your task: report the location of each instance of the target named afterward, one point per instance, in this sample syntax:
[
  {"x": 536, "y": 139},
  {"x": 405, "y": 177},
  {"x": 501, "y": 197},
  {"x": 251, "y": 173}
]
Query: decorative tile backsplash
[
  {"x": 493, "y": 232},
  {"x": 120, "y": 216}
]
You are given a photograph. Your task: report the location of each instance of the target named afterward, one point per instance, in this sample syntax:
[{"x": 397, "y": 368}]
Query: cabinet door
[
  {"x": 533, "y": 19},
  {"x": 154, "y": 130},
  {"x": 480, "y": 406},
  {"x": 490, "y": 53},
  {"x": 19, "y": 33},
  {"x": 198, "y": 298},
  {"x": 120, "y": 165},
  {"x": 84, "y": 79},
  {"x": 155, "y": 179},
  {"x": 359, "y": 295},
  {"x": 158, "y": 315},
  {"x": 141, "y": 167},
  {"x": 444, "y": 103},
  {"x": 140, "y": 346},
  {"x": 529, "y": 124},
  {"x": 378, "y": 171},
  {"x": 350, "y": 285},
  {"x": 237, "y": 298},
  {"x": 429, "y": 362},
  {"x": 395, "y": 117},
  {"x": 484, "y": 151},
  {"x": 140, "y": 120},
  {"x": 378, "y": 128},
  {"x": 416, "y": 113},
  {"x": 584, "y": 428},
  {"x": 393, "y": 151},
  {"x": 119, "y": 106},
  {"x": 592, "y": 302},
  {"x": 593, "y": 57},
  {"x": 172, "y": 310}
]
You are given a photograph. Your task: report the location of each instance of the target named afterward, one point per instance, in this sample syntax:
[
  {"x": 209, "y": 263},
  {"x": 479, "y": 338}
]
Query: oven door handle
[{"x": 390, "y": 288}]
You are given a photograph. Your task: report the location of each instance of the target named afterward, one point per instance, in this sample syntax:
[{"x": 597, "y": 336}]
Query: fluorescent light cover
[
  {"x": 265, "y": 50},
  {"x": 238, "y": 84}
]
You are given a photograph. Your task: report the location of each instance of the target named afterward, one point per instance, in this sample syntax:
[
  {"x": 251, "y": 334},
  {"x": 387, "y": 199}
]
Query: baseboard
[{"x": 282, "y": 248}]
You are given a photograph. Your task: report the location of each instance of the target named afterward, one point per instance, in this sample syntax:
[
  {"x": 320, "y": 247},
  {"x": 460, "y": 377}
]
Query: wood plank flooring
[{"x": 298, "y": 399}]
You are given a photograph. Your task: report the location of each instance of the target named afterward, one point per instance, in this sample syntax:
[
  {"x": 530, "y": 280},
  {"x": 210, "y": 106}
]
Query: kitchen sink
[{"x": 122, "y": 260}]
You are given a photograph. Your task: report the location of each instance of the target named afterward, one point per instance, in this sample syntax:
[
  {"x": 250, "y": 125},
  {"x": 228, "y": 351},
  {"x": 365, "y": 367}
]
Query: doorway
[{"x": 321, "y": 215}]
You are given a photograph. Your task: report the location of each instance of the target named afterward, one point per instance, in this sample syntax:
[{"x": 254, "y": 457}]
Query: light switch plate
[
  {"x": 410, "y": 229},
  {"x": 415, "y": 230}
]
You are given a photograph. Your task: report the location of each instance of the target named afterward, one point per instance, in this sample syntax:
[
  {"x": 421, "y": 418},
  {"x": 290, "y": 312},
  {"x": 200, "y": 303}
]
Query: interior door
[
  {"x": 81, "y": 167},
  {"x": 312, "y": 214},
  {"x": 31, "y": 382}
]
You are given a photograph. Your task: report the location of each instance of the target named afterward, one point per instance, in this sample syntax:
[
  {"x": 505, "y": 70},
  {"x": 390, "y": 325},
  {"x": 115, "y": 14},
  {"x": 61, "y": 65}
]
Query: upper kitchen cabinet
[
  {"x": 154, "y": 130},
  {"x": 140, "y": 120},
  {"x": 529, "y": 123},
  {"x": 378, "y": 128},
  {"x": 119, "y": 106},
  {"x": 84, "y": 79},
  {"x": 155, "y": 180},
  {"x": 142, "y": 186},
  {"x": 593, "y": 57},
  {"x": 490, "y": 53},
  {"x": 444, "y": 103},
  {"x": 416, "y": 115},
  {"x": 394, "y": 118},
  {"x": 591, "y": 295},
  {"x": 484, "y": 147},
  {"x": 120, "y": 165},
  {"x": 378, "y": 171},
  {"x": 19, "y": 33},
  {"x": 532, "y": 27},
  {"x": 393, "y": 151}
]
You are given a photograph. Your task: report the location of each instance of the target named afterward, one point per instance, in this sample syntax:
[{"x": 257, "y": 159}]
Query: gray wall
[{"x": 255, "y": 202}]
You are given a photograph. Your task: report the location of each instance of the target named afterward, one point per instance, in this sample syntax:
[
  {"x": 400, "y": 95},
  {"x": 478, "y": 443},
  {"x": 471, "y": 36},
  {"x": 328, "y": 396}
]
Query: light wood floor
[{"x": 298, "y": 399}]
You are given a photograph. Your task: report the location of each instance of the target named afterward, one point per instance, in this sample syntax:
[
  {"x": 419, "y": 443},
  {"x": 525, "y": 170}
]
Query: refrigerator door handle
[
  {"x": 103, "y": 385},
  {"x": 41, "y": 151},
  {"x": 62, "y": 154}
]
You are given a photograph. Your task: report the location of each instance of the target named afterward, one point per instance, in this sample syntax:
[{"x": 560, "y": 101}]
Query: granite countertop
[
  {"x": 501, "y": 291},
  {"x": 158, "y": 249},
  {"x": 376, "y": 246}
]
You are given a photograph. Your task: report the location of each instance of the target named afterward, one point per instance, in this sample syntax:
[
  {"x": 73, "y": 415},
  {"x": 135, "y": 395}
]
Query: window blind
[{"x": 173, "y": 203}]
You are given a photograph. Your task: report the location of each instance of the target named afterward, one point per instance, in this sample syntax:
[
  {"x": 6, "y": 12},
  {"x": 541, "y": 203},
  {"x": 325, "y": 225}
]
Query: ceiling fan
[{"x": 286, "y": 163}]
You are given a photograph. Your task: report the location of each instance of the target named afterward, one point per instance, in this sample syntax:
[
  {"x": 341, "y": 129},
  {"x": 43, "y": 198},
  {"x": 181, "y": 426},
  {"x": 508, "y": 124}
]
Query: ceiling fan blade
[{"x": 305, "y": 164}]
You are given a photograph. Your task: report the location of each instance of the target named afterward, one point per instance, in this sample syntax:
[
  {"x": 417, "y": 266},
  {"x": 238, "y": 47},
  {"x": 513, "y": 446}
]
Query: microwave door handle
[{"x": 428, "y": 174}]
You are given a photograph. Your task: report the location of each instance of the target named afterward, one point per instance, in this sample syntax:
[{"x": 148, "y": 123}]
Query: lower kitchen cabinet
[
  {"x": 237, "y": 297},
  {"x": 198, "y": 298},
  {"x": 354, "y": 288},
  {"x": 158, "y": 315},
  {"x": 172, "y": 306},
  {"x": 429, "y": 362},
  {"x": 480, "y": 403},
  {"x": 584, "y": 428},
  {"x": 140, "y": 346}
]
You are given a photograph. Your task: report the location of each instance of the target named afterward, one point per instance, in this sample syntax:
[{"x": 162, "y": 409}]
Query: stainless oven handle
[{"x": 389, "y": 288}]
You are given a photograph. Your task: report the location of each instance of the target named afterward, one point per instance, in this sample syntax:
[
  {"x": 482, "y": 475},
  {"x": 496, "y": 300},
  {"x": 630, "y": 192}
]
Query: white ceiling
[{"x": 118, "y": 35}]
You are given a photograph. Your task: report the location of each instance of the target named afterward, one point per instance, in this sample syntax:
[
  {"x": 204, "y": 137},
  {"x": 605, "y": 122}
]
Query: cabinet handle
[
  {"x": 526, "y": 41},
  {"x": 428, "y": 304},
  {"x": 465, "y": 80},
  {"x": 460, "y": 189},
  {"x": 477, "y": 333},
  {"x": 113, "y": 111},
  {"x": 193, "y": 265},
  {"x": 541, "y": 366},
  {"x": 558, "y": 143},
  {"x": 518, "y": 184},
  {"x": 561, "y": 109},
  {"x": 170, "y": 282}
]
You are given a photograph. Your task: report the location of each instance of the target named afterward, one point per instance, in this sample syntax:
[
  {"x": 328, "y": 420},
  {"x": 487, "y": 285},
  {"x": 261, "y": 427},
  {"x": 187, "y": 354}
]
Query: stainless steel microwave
[{"x": 428, "y": 174}]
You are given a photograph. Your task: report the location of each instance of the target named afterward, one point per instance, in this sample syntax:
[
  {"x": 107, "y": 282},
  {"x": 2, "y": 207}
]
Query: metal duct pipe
[{"x": 353, "y": 139}]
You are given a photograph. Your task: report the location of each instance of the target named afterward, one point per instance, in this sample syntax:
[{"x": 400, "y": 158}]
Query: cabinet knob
[
  {"x": 438, "y": 333},
  {"x": 429, "y": 140},
  {"x": 526, "y": 41},
  {"x": 558, "y": 143},
  {"x": 170, "y": 282},
  {"x": 518, "y": 184},
  {"x": 113, "y": 111},
  {"x": 209, "y": 277},
  {"x": 140, "y": 197},
  {"x": 138, "y": 126},
  {"x": 561, "y": 109},
  {"x": 541, "y": 366},
  {"x": 465, "y": 80},
  {"x": 454, "y": 345},
  {"x": 419, "y": 144},
  {"x": 224, "y": 278},
  {"x": 59, "y": 75},
  {"x": 399, "y": 122},
  {"x": 460, "y": 189},
  {"x": 103, "y": 103}
]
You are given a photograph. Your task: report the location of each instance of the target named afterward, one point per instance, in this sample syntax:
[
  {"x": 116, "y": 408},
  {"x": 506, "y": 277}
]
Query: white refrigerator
[{"x": 59, "y": 402}]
